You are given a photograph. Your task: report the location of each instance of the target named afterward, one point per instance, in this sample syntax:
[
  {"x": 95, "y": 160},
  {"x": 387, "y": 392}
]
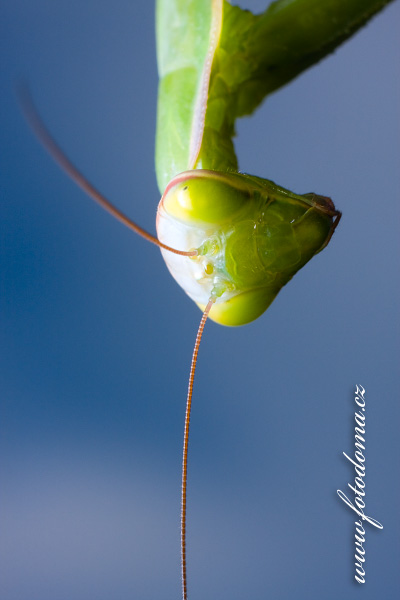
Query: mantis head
[{"x": 251, "y": 237}]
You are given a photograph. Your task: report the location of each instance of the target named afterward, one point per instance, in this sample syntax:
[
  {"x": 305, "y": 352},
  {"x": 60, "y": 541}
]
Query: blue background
[{"x": 96, "y": 338}]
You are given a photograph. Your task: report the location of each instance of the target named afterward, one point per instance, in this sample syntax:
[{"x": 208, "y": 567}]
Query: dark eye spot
[{"x": 185, "y": 188}]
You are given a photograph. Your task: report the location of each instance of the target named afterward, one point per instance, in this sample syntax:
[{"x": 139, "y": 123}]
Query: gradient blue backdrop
[{"x": 96, "y": 338}]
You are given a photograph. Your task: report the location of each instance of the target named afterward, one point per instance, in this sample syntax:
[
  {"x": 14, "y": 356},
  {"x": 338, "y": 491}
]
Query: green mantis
[
  {"x": 207, "y": 150},
  {"x": 250, "y": 235},
  {"x": 221, "y": 61}
]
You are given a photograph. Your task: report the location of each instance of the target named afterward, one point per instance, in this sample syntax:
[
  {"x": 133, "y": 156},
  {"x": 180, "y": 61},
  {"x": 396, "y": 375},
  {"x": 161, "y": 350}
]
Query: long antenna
[
  {"x": 44, "y": 136},
  {"x": 186, "y": 444}
]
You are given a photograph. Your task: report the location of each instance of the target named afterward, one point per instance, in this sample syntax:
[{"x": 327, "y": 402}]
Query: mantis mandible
[{"x": 223, "y": 299}]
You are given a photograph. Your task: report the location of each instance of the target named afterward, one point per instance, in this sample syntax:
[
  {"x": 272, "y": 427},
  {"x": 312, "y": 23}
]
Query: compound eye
[{"x": 208, "y": 199}]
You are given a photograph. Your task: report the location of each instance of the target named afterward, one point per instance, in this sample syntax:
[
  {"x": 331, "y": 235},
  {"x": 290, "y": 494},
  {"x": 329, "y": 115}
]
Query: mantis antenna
[
  {"x": 186, "y": 443},
  {"x": 41, "y": 132}
]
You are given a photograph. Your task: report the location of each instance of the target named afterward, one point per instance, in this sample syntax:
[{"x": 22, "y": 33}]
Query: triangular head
[{"x": 251, "y": 237}]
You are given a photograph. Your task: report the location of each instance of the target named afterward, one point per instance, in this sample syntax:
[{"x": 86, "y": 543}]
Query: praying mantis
[{"x": 220, "y": 393}]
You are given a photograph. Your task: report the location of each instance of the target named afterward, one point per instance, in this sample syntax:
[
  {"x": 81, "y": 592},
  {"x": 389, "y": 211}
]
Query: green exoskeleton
[
  {"x": 251, "y": 235},
  {"x": 231, "y": 240}
]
